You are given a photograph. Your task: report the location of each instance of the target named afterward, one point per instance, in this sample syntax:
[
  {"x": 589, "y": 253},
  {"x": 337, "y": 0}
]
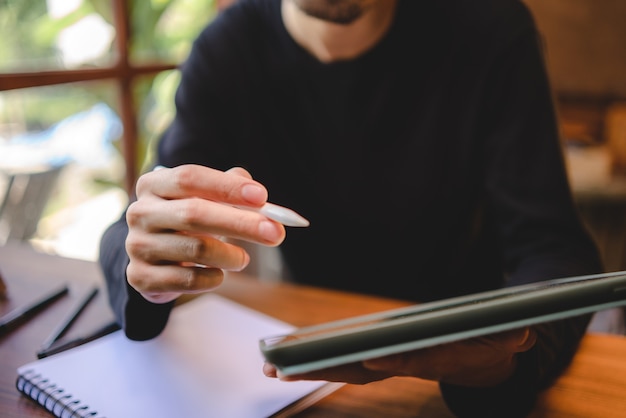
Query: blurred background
[{"x": 86, "y": 87}]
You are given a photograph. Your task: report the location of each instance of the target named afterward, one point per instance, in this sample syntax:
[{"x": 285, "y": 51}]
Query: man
[{"x": 420, "y": 140}]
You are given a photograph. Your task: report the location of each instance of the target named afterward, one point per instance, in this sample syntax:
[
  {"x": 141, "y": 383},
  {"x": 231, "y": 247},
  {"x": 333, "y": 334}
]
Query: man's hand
[
  {"x": 476, "y": 362},
  {"x": 178, "y": 224}
]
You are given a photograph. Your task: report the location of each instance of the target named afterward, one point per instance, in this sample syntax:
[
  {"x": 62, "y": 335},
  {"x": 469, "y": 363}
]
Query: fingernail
[
  {"x": 254, "y": 194},
  {"x": 269, "y": 231},
  {"x": 245, "y": 261}
]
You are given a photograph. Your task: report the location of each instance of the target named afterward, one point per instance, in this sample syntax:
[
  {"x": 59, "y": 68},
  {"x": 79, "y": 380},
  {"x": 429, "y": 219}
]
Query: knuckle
[
  {"x": 197, "y": 249},
  {"x": 135, "y": 277},
  {"x": 133, "y": 214},
  {"x": 187, "y": 280},
  {"x": 199, "y": 279},
  {"x": 189, "y": 213},
  {"x": 141, "y": 185},
  {"x": 229, "y": 193},
  {"x": 139, "y": 249},
  {"x": 184, "y": 176},
  {"x": 133, "y": 245}
]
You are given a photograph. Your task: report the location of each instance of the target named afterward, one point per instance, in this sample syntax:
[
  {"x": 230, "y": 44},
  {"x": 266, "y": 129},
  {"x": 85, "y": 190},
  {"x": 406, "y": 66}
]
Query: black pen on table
[
  {"x": 21, "y": 314},
  {"x": 60, "y": 346},
  {"x": 69, "y": 320}
]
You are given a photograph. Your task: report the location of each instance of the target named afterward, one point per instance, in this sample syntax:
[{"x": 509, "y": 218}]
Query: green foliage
[
  {"x": 47, "y": 29},
  {"x": 18, "y": 20},
  {"x": 165, "y": 28},
  {"x": 164, "y": 31},
  {"x": 161, "y": 31}
]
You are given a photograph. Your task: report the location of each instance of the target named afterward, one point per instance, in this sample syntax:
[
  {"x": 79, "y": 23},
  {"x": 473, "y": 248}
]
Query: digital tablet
[{"x": 417, "y": 326}]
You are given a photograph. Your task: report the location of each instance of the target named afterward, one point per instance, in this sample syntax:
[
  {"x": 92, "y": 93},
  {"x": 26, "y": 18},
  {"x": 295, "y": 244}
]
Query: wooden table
[{"x": 593, "y": 387}]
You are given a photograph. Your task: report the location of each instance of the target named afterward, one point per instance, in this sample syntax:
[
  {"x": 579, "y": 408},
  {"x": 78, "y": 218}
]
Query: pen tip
[
  {"x": 301, "y": 223},
  {"x": 287, "y": 217}
]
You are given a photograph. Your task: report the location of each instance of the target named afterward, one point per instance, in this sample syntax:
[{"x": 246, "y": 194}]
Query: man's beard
[{"x": 342, "y": 12}]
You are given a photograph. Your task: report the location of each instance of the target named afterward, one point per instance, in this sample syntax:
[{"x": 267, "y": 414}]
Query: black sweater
[{"x": 429, "y": 167}]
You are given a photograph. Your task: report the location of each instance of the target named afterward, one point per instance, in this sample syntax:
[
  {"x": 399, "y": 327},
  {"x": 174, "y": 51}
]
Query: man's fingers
[
  {"x": 515, "y": 341},
  {"x": 167, "y": 248},
  {"x": 204, "y": 217},
  {"x": 353, "y": 373},
  {"x": 239, "y": 171},
  {"x": 203, "y": 182},
  {"x": 526, "y": 340},
  {"x": 152, "y": 281}
]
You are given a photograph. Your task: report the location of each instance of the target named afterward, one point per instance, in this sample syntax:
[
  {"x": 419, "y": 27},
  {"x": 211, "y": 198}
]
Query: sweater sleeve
[{"x": 140, "y": 319}]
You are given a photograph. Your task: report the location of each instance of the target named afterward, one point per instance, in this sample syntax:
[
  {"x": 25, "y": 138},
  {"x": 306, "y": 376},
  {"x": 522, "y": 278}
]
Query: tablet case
[{"x": 398, "y": 330}]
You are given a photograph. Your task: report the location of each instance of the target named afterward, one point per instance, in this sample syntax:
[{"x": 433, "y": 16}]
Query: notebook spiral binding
[{"x": 53, "y": 398}]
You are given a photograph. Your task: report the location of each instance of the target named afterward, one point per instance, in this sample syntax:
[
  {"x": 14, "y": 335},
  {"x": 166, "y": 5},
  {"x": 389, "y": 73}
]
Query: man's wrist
[{"x": 143, "y": 319}]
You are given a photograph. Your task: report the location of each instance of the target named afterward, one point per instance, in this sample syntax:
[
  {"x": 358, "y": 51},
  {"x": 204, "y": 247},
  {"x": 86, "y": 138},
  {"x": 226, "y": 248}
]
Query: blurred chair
[{"x": 24, "y": 194}]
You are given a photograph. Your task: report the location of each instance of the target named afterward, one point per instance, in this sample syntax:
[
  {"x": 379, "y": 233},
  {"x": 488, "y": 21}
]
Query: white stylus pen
[
  {"x": 276, "y": 213},
  {"x": 280, "y": 214}
]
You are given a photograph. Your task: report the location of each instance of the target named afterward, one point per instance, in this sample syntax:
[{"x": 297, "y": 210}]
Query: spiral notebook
[{"x": 206, "y": 363}]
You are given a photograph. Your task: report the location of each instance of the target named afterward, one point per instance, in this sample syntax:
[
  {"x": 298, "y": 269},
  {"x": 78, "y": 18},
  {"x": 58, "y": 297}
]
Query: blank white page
[{"x": 206, "y": 363}]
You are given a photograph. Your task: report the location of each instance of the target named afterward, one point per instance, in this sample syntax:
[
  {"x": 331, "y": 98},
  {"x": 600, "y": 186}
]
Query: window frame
[{"x": 122, "y": 71}]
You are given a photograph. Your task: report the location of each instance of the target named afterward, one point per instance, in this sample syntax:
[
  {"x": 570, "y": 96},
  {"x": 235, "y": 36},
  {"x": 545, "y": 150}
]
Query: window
[{"x": 86, "y": 86}]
